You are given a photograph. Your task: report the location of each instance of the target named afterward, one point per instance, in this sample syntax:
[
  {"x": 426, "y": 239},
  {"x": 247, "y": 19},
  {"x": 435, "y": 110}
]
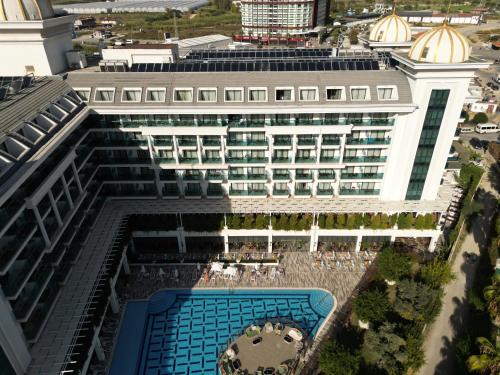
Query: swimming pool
[{"x": 180, "y": 332}]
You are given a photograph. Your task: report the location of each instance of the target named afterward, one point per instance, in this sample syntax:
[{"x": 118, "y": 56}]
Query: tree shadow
[
  {"x": 480, "y": 223},
  {"x": 494, "y": 176}
]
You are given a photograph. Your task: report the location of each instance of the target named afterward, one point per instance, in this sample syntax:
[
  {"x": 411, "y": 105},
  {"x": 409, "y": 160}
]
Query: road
[{"x": 439, "y": 344}]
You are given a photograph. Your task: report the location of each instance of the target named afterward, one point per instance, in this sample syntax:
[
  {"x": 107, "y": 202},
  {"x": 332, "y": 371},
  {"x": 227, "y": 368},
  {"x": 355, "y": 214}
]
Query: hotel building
[{"x": 91, "y": 158}]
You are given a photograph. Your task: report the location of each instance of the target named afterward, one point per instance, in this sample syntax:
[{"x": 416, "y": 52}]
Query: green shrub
[
  {"x": 416, "y": 301},
  {"x": 293, "y": 222},
  {"x": 393, "y": 219},
  {"x": 351, "y": 221},
  {"x": 234, "y": 222},
  {"x": 367, "y": 220},
  {"x": 248, "y": 222},
  {"x": 283, "y": 222},
  {"x": 385, "y": 222},
  {"x": 430, "y": 221},
  {"x": 340, "y": 221},
  {"x": 480, "y": 118},
  {"x": 305, "y": 222},
  {"x": 436, "y": 273},
  {"x": 420, "y": 222},
  {"x": 322, "y": 221},
  {"x": 330, "y": 221},
  {"x": 274, "y": 222},
  {"x": 376, "y": 222},
  {"x": 358, "y": 218},
  {"x": 337, "y": 359},
  {"x": 405, "y": 220},
  {"x": 260, "y": 222}
]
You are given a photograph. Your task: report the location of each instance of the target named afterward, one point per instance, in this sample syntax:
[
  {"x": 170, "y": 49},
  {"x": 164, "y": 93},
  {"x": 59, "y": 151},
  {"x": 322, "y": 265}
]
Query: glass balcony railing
[
  {"x": 214, "y": 176},
  {"x": 209, "y": 123},
  {"x": 212, "y": 160},
  {"x": 280, "y": 191},
  {"x": 215, "y": 191},
  {"x": 329, "y": 159},
  {"x": 325, "y": 191},
  {"x": 282, "y": 141},
  {"x": 243, "y": 160},
  {"x": 32, "y": 291},
  {"x": 187, "y": 142},
  {"x": 364, "y": 159},
  {"x": 371, "y": 122},
  {"x": 303, "y": 191},
  {"x": 326, "y": 176},
  {"x": 359, "y": 191},
  {"x": 368, "y": 141},
  {"x": 211, "y": 142},
  {"x": 161, "y": 160},
  {"x": 245, "y": 124},
  {"x": 247, "y": 176},
  {"x": 359, "y": 176},
  {"x": 281, "y": 176},
  {"x": 303, "y": 176},
  {"x": 254, "y": 192},
  {"x": 163, "y": 142},
  {"x": 282, "y": 123},
  {"x": 306, "y": 141},
  {"x": 305, "y": 159},
  {"x": 281, "y": 160},
  {"x": 192, "y": 191},
  {"x": 182, "y": 123},
  {"x": 192, "y": 177},
  {"x": 330, "y": 141},
  {"x": 299, "y": 121},
  {"x": 188, "y": 159},
  {"x": 171, "y": 190}
]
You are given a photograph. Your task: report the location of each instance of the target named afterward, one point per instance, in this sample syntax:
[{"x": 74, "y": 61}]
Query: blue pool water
[{"x": 180, "y": 332}]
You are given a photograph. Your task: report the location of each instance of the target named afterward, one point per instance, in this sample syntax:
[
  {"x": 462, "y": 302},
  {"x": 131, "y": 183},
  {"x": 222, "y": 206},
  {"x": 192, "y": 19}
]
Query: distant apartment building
[{"x": 277, "y": 17}]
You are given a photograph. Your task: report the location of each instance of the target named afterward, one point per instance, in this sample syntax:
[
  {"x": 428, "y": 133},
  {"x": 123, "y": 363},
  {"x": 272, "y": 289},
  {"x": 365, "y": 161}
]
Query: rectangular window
[
  {"x": 359, "y": 94},
  {"x": 233, "y": 95},
  {"x": 284, "y": 95},
  {"x": 155, "y": 94},
  {"x": 386, "y": 93},
  {"x": 183, "y": 95},
  {"x": 207, "y": 95},
  {"x": 131, "y": 95},
  {"x": 83, "y": 94},
  {"x": 105, "y": 95},
  {"x": 335, "y": 93},
  {"x": 257, "y": 95},
  {"x": 309, "y": 94}
]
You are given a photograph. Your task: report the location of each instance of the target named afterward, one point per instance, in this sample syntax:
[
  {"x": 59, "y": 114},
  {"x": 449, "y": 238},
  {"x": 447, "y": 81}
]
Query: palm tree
[
  {"x": 488, "y": 361},
  {"x": 492, "y": 296}
]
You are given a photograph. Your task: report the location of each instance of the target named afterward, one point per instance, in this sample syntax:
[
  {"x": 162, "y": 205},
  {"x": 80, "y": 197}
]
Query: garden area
[{"x": 384, "y": 331}]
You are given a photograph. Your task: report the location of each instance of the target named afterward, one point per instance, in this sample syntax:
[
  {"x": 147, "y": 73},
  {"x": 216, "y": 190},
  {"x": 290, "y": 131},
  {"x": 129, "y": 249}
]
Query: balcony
[
  {"x": 246, "y": 124},
  {"x": 361, "y": 176},
  {"x": 364, "y": 159},
  {"x": 191, "y": 177},
  {"x": 215, "y": 190},
  {"x": 160, "y": 160},
  {"x": 325, "y": 191},
  {"x": 359, "y": 191},
  {"x": 281, "y": 160},
  {"x": 368, "y": 141},
  {"x": 249, "y": 142},
  {"x": 193, "y": 191},
  {"x": 282, "y": 141},
  {"x": 302, "y": 191},
  {"x": 303, "y": 176},
  {"x": 124, "y": 143},
  {"x": 32, "y": 291},
  {"x": 185, "y": 142},
  {"x": 211, "y": 142},
  {"x": 371, "y": 122},
  {"x": 209, "y": 123},
  {"x": 306, "y": 141},
  {"x": 329, "y": 159},
  {"x": 188, "y": 160},
  {"x": 246, "y": 160},
  {"x": 330, "y": 141},
  {"x": 163, "y": 142},
  {"x": 308, "y": 159},
  {"x": 168, "y": 176},
  {"x": 171, "y": 190},
  {"x": 256, "y": 192},
  {"x": 335, "y": 121},
  {"x": 108, "y": 161},
  {"x": 299, "y": 121},
  {"x": 280, "y": 191},
  {"x": 282, "y": 123},
  {"x": 247, "y": 176},
  {"x": 326, "y": 176},
  {"x": 182, "y": 123},
  {"x": 281, "y": 176},
  {"x": 214, "y": 176},
  {"x": 212, "y": 160}
]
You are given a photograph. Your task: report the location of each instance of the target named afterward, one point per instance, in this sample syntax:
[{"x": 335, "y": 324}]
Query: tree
[
  {"x": 330, "y": 221},
  {"x": 293, "y": 222},
  {"x": 234, "y": 223},
  {"x": 393, "y": 265},
  {"x": 492, "y": 296},
  {"x": 420, "y": 222},
  {"x": 248, "y": 222},
  {"x": 436, "y": 273},
  {"x": 283, "y": 222},
  {"x": 367, "y": 220},
  {"x": 351, "y": 221},
  {"x": 322, "y": 221},
  {"x": 429, "y": 221},
  {"x": 393, "y": 219},
  {"x": 336, "y": 359},
  {"x": 358, "y": 220},
  {"x": 385, "y": 349},
  {"x": 340, "y": 221},
  {"x": 376, "y": 222},
  {"x": 371, "y": 306},
  {"x": 274, "y": 222},
  {"x": 480, "y": 118},
  {"x": 416, "y": 301},
  {"x": 353, "y": 36},
  {"x": 405, "y": 221},
  {"x": 488, "y": 361}
]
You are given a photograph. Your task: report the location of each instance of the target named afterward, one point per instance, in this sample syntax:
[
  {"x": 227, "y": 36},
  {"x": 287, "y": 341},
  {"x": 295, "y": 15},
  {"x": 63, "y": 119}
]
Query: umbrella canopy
[
  {"x": 161, "y": 272},
  {"x": 143, "y": 269},
  {"x": 216, "y": 267},
  {"x": 231, "y": 271}
]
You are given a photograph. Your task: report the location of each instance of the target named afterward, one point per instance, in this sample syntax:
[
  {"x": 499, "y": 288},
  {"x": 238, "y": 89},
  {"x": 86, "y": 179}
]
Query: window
[
  {"x": 335, "y": 93},
  {"x": 359, "y": 94},
  {"x": 131, "y": 95},
  {"x": 308, "y": 94},
  {"x": 155, "y": 94},
  {"x": 104, "y": 95},
  {"x": 386, "y": 93},
  {"x": 183, "y": 95},
  {"x": 207, "y": 95},
  {"x": 257, "y": 95},
  {"x": 284, "y": 95},
  {"x": 425, "y": 51},
  {"x": 83, "y": 94},
  {"x": 233, "y": 95}
]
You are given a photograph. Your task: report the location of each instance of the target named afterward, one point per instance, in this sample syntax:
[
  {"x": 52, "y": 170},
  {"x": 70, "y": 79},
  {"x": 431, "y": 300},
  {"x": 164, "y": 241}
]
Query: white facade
[
  {"x": 142, "y": 53},
  {"x": 488, "y": 107}
]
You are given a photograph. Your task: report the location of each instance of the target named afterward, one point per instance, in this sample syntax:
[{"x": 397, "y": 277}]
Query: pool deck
[{"x": 271, "y": 352}]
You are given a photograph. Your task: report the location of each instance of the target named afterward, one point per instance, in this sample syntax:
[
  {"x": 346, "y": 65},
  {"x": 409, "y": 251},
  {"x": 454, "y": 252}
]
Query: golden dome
[
  {"x": 391, "y": 29},
  {"x": 442, "y": 44},
  {"x": 25, "y": 10}
]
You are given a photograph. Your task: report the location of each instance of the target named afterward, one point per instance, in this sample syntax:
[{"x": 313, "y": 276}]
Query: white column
[
  {"x": 126, "y": 266},
  {"x": 181, "y": 240},
  {"x": 393, "y": 239},
  {"x": 99, "y": 351},
  {"x": 41, "y": 226},
  {"x": 113, "y": 300},
  {"x": 226, "y": 240},
  {"x": 358, "y": 243},
  {"x": 313, "y": 244},
  {"x": 432, "y": 244},
  {"x": 270, "y": 240},
  {"x": 54, "y": 208}
]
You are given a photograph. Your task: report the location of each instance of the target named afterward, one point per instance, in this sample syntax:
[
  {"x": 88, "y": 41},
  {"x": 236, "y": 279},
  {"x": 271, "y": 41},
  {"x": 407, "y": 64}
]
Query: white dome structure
[
  {"x": 442, "y": 44},
  {"x": 25, "y": 10},
  {"x": 391, "y": 29}
]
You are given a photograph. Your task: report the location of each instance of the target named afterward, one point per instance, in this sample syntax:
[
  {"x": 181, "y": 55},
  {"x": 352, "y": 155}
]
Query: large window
[
  {"x": 335, "y": 93},
  {"x": 104, "y": 95},
  {"x": 233, "y": 95},
  {"x": 359, "y": 93},
  {"x": 155, "y": 94},
  {"x": 386, "y": 93},
  {"x": 207, "y": 95},
  {"x": 131, "y": 95},
  {"x": 308, "y": 94},
  {"x": 183, "y": 95},
  {"x": 284, "y": 94},
  {"x": 83, "y": 94},
  {"x": 257, "y": 94}
]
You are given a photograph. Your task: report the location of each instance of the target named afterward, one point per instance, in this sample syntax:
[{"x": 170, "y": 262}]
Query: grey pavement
[{"x": 439, "y": 345}]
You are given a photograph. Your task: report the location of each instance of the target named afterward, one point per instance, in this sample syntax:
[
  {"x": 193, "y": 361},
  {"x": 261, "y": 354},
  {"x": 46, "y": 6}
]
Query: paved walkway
[{"x": 439, "y": 345}]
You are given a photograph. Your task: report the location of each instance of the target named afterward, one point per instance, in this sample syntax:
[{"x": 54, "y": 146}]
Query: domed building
[
  {"x": 442, "y": 45},
  {"x": 391, "y": 29},
  {"x": 25, "y": 10}
]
